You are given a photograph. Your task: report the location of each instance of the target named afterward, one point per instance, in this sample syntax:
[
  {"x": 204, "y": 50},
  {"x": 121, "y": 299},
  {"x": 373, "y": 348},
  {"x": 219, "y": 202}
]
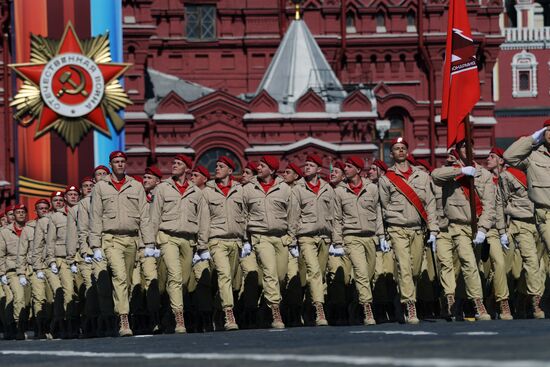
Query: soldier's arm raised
[{"x": 517, "y": 154}]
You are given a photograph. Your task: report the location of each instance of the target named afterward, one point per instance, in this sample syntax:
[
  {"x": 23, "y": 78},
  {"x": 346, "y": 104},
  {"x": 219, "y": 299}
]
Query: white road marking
[
  {"x": 393, "y": 332},
  {"x": 476, "y": 333},
  {"x": 143, "y": 336},
  {"x": 336, "y": 359},
  {"x": 277, "y": 330}
]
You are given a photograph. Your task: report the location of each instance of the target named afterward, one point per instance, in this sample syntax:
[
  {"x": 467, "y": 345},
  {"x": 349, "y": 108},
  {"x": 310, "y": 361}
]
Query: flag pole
[{"x": 470, "y": 162}]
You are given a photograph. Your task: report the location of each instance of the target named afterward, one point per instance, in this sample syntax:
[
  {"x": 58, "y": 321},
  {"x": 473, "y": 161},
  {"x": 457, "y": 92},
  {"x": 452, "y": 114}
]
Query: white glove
[
  {"x": 196, "y": 259},
  {"x": 504, "y": 241},
  {"x": 294, "y": 251},
  {"x": 4, "y": 280},
  {"x": 157, "y": 253},
  {"x": 74, "y": 269},
  {"x": 336, "y": 251},
  {"x": 23, "y": 281},
  {"x": 246, "y": 250},
  {"x": 88, "y": 259},
  {"x": 40, "y": 275},
  {"x": 432, "y": 242},
  {"x": 205, "y": 255},
  {"x": 468, "y": 171},
  {"x": 54, "y": 268},
  {"x": 98, "y": 256},
  {"x": 385, "y": 246},
  {"x": 480, "y": 238},
  {"x": 149, "y": 252},
  {"x": 539, "y": 135}
]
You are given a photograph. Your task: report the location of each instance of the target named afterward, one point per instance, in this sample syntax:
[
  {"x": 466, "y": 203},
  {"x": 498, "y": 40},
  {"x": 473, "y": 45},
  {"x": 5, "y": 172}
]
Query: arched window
[
  {"x": 380, "y": 22},
  {"x": 210, "y": 157},
  {"x": 350, "y": 22},
  {"x": 411, "y": 21},
  {"x": 524, "y": 75}
]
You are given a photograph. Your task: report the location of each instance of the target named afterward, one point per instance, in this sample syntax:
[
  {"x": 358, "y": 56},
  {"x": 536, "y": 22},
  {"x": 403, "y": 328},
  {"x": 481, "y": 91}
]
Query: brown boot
[
  {"x": 320, "y": 319},
  {"x": 411, "y": 317},
  {"x": 369, "y": 315},
  {"x": 124, "y": 329},
  {"x": 505, "y": 313},
  {"x": 450, "y": 305},
  {"x": 277, "y": 319},
  {"x": 230, "y": 323},
  {"x": 481, "y": 312},
  {"x": 538, "y": 313},
  {"x": 180, "y": 322}
]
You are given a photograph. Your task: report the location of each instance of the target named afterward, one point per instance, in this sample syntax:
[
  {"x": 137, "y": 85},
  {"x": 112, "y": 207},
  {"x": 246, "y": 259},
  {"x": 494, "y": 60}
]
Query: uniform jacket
[
  {"x": 72, "y": 233},
  {"x": 9, "y": 247},
  {"x": 83, "y": 226},
  {"x": 512, "y": 201},
  {"x": 226, "y": 213},
  {"x": 357, "y": 215},
  {"x": 39, "y": 248},
  {"x": 312, "y": 214},
  {"x": 535, "y": 160},
  {"x": 26, "y": 247},
  {"x": 56, "y": 238}
]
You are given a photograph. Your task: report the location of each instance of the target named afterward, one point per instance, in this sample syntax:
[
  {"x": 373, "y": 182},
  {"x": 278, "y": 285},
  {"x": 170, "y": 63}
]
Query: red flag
[{"x": 460, "y": 76}]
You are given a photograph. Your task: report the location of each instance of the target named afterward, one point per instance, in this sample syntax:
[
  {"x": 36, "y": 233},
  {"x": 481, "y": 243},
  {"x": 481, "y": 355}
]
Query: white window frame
[{"x": 524, "y": 61}]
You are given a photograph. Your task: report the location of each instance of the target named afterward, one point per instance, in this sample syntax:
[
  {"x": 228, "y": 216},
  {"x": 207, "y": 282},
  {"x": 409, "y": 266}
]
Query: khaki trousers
[
  {"x": 462, "y": 242},
  {"x": 8, "y": 304},
  {"x": 251, "y": 281},
  {"x": 87, "y": 293},
  {"x": 145, "y": 283},
  {"x": 449, "y": 265},
  {"x": 362, "y": 253},
  {"x": 67, "y": 284},
  {"x": 103, "y": 286},
  {"x": 121, "y": 256},
  {"x": 272, "y": 255},
  {"x": 339, "y": 270},
  {"x": 38, "y": 294},
  {"x": 384, "y": 286},
  {"x": 177, "y": 253},
  {"x": 57, "y": 292},
  {"x": 408, "y": 248},
  {"x": 225, "y": 255},
  {"x": 18, "y": 294},
  {"x": 314, "y": 252},
  {"x": 542, "y": 216},
  {"x": 498, "y": 256},
  {"x": 524, "y": 235}
]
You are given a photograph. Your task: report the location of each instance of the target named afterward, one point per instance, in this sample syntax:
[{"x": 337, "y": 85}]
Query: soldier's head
[
  {"x": 399, "y": 150},
  {"x": 57, "y": 200},
  {"x": 10, "y": 217},
  {"x": 86, "y": 185},
  {"x": 72, "y": 195},
  {"x": 376, "y": 170},
  {"x": 313, "y": 166},
  {"x": 42, "y": 207},
  {"x": 20, "y": 214},
  {"x": 200, "y": 176},
  {"x": 224, "y": 167},
  {"x": 452, "y": 158},
  {"x": 292, "y": 173},
  {"x": 249, "y": 172},
  {"x": 181, "y": 165},
  {"x": 461, "y": 150},
  {"x": 151, "y": 178},
  {"x": 495, "y": 159},
  {"x": 354, "y": 166},
  {"x": 267, "y": 167},
  {"x": 117, "y": 161},
  {"x": 337, "y": 174},
  {"x": 100, "y": 172}
]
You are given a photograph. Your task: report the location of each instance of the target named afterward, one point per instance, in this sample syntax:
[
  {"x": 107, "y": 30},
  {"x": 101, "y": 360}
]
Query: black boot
[
  {"x": 40, "y": 328},
  {"x": 10, "y": 331},
  {"x": 20, "y": 334}
]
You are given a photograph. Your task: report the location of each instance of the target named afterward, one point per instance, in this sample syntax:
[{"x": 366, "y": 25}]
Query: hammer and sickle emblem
[{"x": 65, "y": 78}]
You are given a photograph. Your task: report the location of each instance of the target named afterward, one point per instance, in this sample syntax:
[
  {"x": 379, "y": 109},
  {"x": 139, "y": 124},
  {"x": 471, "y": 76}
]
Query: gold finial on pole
[{"x": 297, "y": 7}]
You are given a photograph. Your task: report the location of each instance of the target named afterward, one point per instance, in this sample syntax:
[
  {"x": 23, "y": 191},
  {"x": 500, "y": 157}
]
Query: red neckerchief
[
  {"x": 225, "y": 189},
  {"x": 407, "y": 173},
  {"x": 356, "y": 189},
  {"x": 118, "y": 185},
  {"x": 17, "y": 231},
  {"x": 267, "y": 186},
  {"x": 182, "y": 188},
  {"x": 149, "y": 197},
  {"x": 465, "y": 185},
  {"x": 314, "y": 188},
  {"x": 495, "y": 180}
]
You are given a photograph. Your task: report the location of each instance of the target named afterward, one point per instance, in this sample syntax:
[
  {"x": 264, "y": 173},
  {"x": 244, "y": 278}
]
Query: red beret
[
  {"x": 117, "y": 154},
  {"x": 227, "y": 161},
  {"x": 153, "y": 170},
  {"x": 42, "y": 201},
  {"x": 356, "y": 161},
  {"x": 380, "y": 164},
  {"x": 86, "y": 179},
  {"x": 293, "y": 166},
  {"x": 203, "y": 171},
  {"x": 498, "y": 151},
  {"x": 271, "y": 161},
  {"x": 546, "y": 123},
  {"x": 399, "y": 140},
  {"x": 103, "y": 168},
  {"x": 185, "y": 159},
  {"x": 56, "y": 193},
  {"x": 10, "y": 208},
  {"x": 424, "y": 163},
  {"x": 339, "y": 164},
  {"x": 315, "y": 159},
  {"x": 71, "y": 188},
  {"x": 251, "y": 165},
  {"x": 20, "y": 206}
]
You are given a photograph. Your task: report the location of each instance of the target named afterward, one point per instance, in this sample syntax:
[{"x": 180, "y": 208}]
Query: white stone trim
[
  {"x": 283, "y": 148},
  {"x": 524, "y": 61}
]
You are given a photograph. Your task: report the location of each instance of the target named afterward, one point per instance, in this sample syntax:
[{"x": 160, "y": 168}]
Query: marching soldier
[
  {"x": 249, "y": 172},
  {"x": 409, "y": 210},
  {"x": 200, "y": 176},
  {"x": 10, "y": 216},
  {"x": 456, "y": 194},
  {"x": 337, "y": 174},
  {"x": 292, "y": 174},
  {"x": 179, "y": 216},
  {"x": 118, "y": 221},
  {"x": 267, "y": 205}
]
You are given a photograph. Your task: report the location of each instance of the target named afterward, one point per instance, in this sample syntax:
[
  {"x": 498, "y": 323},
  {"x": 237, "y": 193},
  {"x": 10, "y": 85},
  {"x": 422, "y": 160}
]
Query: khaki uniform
[
  {"x": 9, "y": 247},
  {"x": 37, "y": 287},
  {"x": 311, "y": 221},
  {"x": 267, "y": 225},
  {"x": 118, "y": 219},
  {"x": 513, "y": 203},
  {"x": 226, "y": 230},
  {"x": 182, "y": 225},
  {"x": 457, "y": 210},
  {"x": 406, "y": 227},
  {"x": 357, "y": 225}
]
